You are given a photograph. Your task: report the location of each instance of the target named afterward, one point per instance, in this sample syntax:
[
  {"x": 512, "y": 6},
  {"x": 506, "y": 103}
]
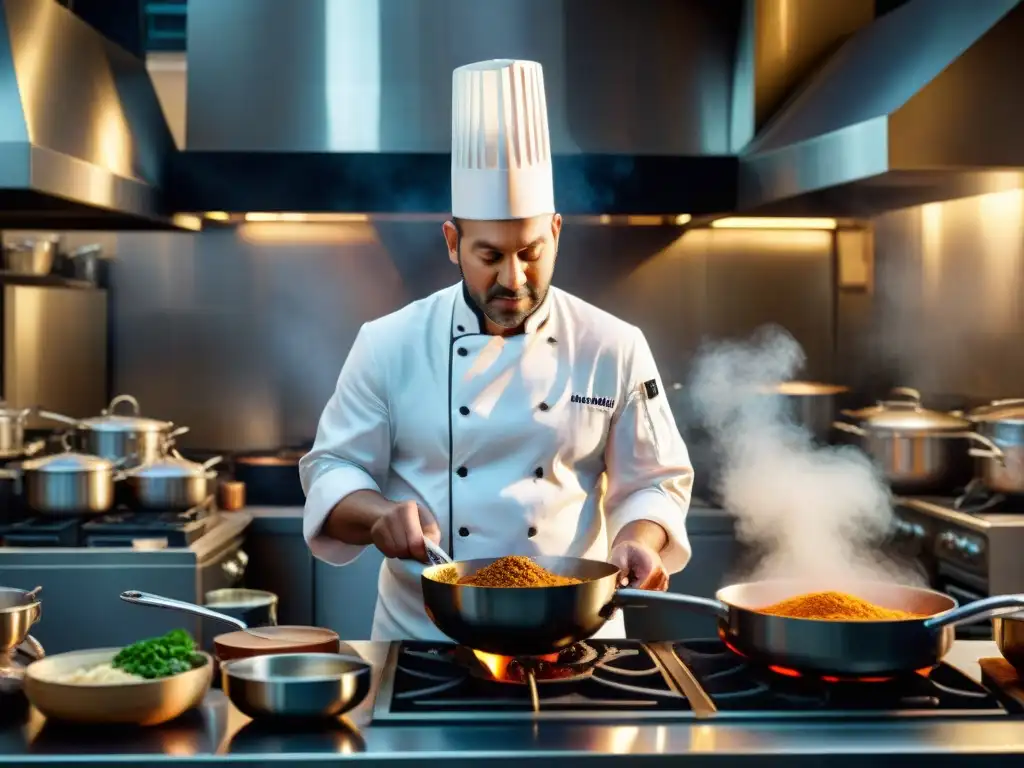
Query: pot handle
[
  {"x": 51, "y": 416},
  {"x": 628, "y": 597},
  {"x": 908, "y": 392},
  {"x": 124, "y": 399},
  {"x": 852, "y": 429},
  {"x": 990, "y": 607},
  {"x": 156, "y": 601},
  {"x": 990, "y": 451}
]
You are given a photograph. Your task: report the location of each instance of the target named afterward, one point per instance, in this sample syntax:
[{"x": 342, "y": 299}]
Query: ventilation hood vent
[
  {"x": 83, "y": 141},
  {"x": 345, "y": 106},
  {"x": 922, "y": 105}
]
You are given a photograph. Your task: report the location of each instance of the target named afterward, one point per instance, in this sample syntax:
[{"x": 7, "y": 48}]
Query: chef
[{"x": 501, "y": 415}]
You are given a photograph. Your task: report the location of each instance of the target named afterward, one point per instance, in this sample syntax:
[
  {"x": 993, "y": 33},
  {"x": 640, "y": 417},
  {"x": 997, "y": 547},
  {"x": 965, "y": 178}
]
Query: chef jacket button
[
  {"x": 461, "y": 471},
  {"x": 543, "y": 406},
  {"x": 551, "y": 340},
  {"x": 532, "y": 532},
  {"x": 462, "y": 351},
  {"x": 539, "y": 472},
  {"x": 464, "y": 411},
  {"x": 460, "y": 329},
  {"x": 463, "y": 531}
]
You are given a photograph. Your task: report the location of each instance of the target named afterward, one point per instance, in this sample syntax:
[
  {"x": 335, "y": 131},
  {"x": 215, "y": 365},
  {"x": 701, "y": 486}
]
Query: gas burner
[
  {"x": 563, "y": 666},
  {"x": 737, "y": 688},
  {"x": 425, "y": 681}
]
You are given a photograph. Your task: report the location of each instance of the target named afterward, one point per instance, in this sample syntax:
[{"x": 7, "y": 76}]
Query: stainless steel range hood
[
  {"x": 83, "y": 141},
  {"x": 345, "y": 105},
  {"x": 924, "y": 104}
]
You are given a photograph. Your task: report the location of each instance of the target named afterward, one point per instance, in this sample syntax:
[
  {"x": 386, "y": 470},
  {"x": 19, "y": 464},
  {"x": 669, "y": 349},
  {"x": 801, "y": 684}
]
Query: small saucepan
[
  {"x": 1008, "y": 632},
  {"x": 247, "y": 642}
]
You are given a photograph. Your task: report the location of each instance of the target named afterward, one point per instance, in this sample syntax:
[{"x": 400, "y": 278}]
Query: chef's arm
[
  {"x": 645, "y": 532},
  {"x": 342, "y": 475},
  {"x": 648, "y": 468}
]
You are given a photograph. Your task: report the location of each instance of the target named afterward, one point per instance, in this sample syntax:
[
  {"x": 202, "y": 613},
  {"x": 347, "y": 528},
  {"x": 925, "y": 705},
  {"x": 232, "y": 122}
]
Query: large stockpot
[
  {"x": 1001, "y": 421},
  {"x": 918, "y": 450},
  {"x": 66, "y": 483},
  {"x": 130, "y": 440},
  {"x": 171, "y": 482},
  {"x": 810, "y": 404}
]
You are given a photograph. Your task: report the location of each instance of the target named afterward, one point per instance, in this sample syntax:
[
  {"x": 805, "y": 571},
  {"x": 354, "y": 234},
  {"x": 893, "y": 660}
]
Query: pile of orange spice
[
  {"x": 513, "y": 571},
  {"x": 834, "y": 606}
]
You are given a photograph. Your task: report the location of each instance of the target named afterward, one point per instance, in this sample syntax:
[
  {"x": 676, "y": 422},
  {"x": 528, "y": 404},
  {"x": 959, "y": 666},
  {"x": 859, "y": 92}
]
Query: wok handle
[
  {"x": 626, "y": 597},
  {"x": 156, "y": 601},
  {"x": 990, "y": 607}
]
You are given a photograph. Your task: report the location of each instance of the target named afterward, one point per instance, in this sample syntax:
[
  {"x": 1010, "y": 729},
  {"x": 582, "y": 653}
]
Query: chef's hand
[
  {"x": 639, "y": 565},
  {"x": 400, "y": 531}
]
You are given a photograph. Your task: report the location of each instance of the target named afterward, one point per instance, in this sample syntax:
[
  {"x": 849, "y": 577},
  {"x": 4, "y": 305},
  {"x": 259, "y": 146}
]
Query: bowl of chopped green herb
[{"x": 146, "y": 683}]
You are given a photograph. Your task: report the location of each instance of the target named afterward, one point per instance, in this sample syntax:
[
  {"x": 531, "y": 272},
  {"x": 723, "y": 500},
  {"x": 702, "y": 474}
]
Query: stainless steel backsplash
[
  {"x": 948, "y": 315},
  {"x": 241, "y": 333}
]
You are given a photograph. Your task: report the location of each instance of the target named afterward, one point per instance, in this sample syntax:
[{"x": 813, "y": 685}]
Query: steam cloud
[{"x": 814, "y": 513}]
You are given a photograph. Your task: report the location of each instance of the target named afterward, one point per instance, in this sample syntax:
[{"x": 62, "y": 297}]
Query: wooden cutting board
[{"x": 999, "y": 674}]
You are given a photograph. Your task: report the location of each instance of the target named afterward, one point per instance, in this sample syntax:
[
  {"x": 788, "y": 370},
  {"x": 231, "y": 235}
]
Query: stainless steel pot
[
  {"x": 12, "y": 431},
  {"x": 918, "y": 450},
  {"x": 130, "y": 440},
  {"x": 172, "y": 482},
  {"x": 812, "y": 405},
  {"x": 1001, "y": 469},
  {"x": 31, "y": 257},
  {"x": 66, "y": 483}
]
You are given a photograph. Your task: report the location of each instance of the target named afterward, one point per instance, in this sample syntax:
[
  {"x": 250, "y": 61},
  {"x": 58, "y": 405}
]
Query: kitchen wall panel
[
  {"x": 947, "y": 315},
  {"x": 240, "y": 333}
]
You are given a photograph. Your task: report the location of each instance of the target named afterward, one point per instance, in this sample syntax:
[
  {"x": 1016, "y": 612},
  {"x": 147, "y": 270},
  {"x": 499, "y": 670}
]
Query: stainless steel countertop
[{"x": 218, "y": 733}]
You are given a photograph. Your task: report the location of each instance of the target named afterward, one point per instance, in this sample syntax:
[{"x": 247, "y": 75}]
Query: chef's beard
[{"x": 532, "y": 297}]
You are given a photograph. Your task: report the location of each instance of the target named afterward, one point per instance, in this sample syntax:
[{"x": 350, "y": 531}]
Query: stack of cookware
[
  {"x": 922, "y": 451},
  {"x": 104, "y": 451}
]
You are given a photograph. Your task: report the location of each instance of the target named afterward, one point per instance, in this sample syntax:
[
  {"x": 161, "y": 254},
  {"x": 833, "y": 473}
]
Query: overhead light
[
  {"x": 682, "y": 219},
  {"x": 740, "y": 222},
  {"x": 309, "y": 218},
  {"x": 218, "y": 215}
]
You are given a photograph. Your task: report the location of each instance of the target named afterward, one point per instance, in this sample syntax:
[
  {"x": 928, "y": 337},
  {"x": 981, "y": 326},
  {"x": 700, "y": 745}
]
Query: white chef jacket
[{"x": 504, "y": 439}]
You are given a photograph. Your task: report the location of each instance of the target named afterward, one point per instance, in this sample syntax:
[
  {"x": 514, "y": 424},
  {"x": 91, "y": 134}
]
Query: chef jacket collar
[{"x": 469, "y": 319}]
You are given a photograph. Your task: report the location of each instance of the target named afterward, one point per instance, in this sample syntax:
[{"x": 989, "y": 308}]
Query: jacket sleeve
[
  {"x": 352, "y": 451},
  {"x": 648, "y": 467}
]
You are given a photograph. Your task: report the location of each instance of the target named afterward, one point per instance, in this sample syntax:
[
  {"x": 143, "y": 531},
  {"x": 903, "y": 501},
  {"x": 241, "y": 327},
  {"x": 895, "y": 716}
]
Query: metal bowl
[
  {"x": 296, "y": 685},
  {"x": 139, "y": 702}
]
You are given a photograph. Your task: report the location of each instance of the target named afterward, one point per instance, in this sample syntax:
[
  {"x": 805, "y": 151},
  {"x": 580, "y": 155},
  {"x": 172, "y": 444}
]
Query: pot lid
[
  {"x": 1002, "y": 411},
  {"x": 69, "y": 461},
  {"x": 174, "y": 465},
  {"x": 111, "y": 421},
  {"x": 907, "y": 415},
  {"x": 117, "y": 423}
]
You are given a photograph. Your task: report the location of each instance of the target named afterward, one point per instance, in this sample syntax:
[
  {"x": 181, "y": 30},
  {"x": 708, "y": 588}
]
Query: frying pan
[
  {"x": 247, "y": 642},
  {"x": 533, "y": 621}
]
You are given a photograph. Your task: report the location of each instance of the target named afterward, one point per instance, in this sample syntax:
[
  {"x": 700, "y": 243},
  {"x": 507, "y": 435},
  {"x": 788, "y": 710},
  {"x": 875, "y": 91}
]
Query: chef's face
[{"x": 506, "y": 264}]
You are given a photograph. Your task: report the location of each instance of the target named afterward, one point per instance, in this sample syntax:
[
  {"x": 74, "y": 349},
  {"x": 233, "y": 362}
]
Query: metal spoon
[
  {"x": 156, "y": 601},
  {"x": 436, "y": 555}
]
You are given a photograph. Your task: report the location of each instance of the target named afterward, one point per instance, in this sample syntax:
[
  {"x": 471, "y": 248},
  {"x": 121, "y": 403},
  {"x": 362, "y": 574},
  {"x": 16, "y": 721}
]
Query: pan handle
[
  {"x": 990, "y": 607},
  {"x": 156, "y": 601},
  {"x": 626, "y": 597}
]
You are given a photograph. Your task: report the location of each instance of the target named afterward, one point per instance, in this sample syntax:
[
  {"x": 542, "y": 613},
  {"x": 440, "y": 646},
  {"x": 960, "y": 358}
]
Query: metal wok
[{"x": 533, "y": 621}]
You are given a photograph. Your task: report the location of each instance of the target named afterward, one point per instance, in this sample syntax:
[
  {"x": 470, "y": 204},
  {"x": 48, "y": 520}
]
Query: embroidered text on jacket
[{"x": 600, "y": 402}]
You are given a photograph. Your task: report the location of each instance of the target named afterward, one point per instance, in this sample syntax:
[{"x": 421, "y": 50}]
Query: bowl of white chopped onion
[{"x": 85, "y": 687}]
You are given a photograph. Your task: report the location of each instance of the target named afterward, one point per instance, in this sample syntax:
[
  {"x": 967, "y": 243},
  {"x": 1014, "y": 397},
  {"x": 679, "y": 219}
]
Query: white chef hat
[{"x": 501, "y": 151}]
